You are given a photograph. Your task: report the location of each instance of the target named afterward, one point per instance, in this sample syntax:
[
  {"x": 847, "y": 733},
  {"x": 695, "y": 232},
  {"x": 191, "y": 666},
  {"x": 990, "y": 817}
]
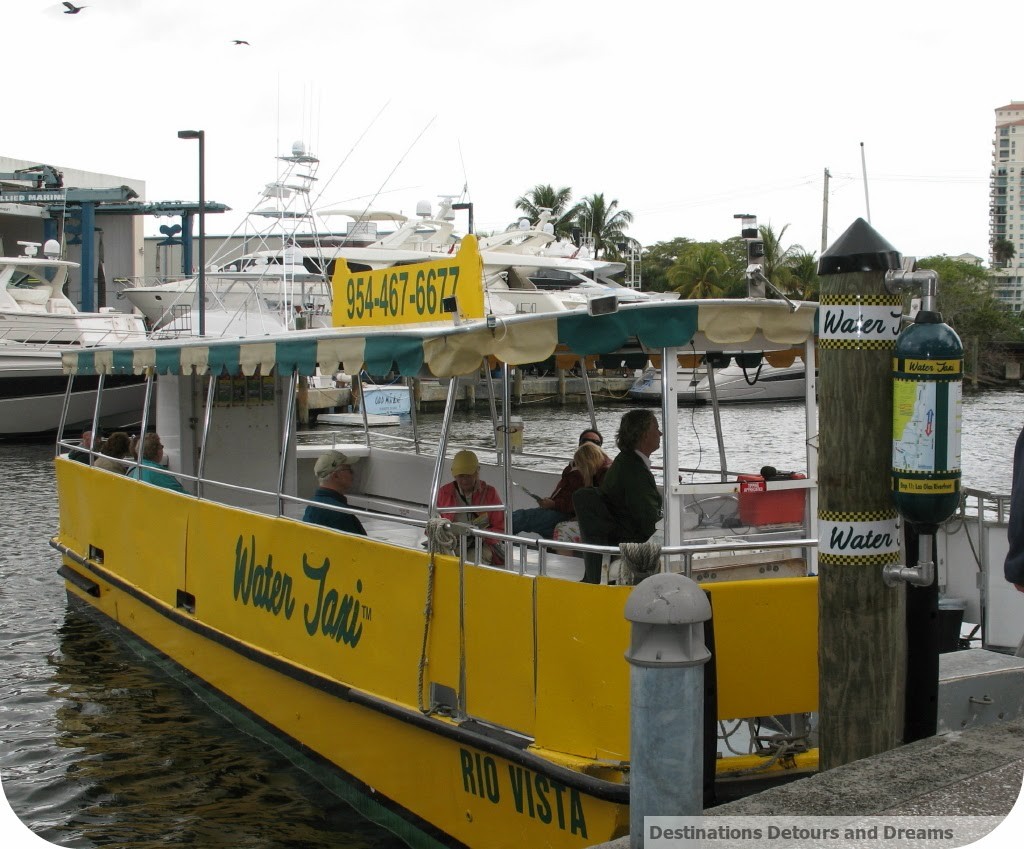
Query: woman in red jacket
[{"x": 467, "y": 490}]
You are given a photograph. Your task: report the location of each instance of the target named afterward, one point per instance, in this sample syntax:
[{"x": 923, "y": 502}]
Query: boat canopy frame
[{"x": 452, "y": 350}]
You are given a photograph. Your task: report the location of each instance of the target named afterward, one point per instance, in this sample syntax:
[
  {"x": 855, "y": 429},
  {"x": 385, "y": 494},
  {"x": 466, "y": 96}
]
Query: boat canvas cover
[{"x": 449, "y": 350}]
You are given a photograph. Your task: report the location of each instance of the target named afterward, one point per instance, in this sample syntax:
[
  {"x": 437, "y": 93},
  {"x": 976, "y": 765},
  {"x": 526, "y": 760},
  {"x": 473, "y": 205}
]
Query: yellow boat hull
[
  {"x": 289, "y": 644},
  {"x": 362, "y": 654}
]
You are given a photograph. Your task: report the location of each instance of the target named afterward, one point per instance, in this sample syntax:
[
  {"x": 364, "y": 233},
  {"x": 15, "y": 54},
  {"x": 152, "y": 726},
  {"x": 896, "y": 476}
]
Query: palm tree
[
  {"x": 600, "y": 221},
  {"x": 778, "y": 260},
  {"x": 698, "y": 271},
  {"x": 544, "y": 196},
  {"x": 803, "y": 276},
  {"x": 658, "y": 259},
  {"x": 1003, "y": 251}
]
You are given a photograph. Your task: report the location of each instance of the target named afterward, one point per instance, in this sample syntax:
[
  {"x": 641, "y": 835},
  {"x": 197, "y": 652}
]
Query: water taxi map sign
[
  {"x": 411, "y": 294},
  {"x": 926, "y": 427}
]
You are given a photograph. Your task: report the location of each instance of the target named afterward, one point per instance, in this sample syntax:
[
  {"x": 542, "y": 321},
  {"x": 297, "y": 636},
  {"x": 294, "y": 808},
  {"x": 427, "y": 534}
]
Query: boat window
[{"x": 24, "y": 280}]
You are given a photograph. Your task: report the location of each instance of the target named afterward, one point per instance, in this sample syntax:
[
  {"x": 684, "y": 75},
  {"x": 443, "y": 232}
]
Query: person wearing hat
[
  {"x": 468, "y": 490},
  {"x": 334, "y": 479}
]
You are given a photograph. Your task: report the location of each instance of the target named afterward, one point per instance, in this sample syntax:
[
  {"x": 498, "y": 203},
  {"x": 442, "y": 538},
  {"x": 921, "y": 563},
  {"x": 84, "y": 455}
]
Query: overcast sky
[{"x": 684, "y": 116}]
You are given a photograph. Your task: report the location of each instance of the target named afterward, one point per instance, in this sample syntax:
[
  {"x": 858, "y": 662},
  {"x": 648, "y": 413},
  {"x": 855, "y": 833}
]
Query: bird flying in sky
[
  {"x": 72, "y": 9},
  {"x": 239, "y": 41}
]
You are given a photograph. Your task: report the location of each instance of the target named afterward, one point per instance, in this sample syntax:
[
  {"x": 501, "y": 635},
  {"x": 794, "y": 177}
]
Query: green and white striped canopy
[{"x": 729, "y": 326}]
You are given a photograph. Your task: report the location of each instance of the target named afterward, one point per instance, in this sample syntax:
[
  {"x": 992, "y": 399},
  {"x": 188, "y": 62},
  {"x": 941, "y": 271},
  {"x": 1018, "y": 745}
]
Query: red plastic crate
[{"x": 759, "y": 505}]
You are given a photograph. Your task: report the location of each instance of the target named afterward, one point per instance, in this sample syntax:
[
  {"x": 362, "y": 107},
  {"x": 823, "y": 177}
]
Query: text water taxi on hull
[{"x": 461, "y": 703}]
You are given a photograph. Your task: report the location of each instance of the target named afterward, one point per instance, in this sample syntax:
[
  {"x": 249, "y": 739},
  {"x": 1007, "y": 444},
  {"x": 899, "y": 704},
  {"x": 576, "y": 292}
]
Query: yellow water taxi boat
[{"x": 463, "y": 704}]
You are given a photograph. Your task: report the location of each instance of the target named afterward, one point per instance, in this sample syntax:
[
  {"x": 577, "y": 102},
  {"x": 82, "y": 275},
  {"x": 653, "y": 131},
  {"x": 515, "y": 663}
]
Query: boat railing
[
  {"x": 527, "y": 555},
  {"x": 41, "y": 335},
  {"x": 142, "y": 281},
  {"x": 988, "y": 506}
]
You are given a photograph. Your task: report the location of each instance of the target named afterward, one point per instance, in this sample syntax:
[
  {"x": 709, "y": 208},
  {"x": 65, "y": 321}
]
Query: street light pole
[{"x": 200, "y": 135}]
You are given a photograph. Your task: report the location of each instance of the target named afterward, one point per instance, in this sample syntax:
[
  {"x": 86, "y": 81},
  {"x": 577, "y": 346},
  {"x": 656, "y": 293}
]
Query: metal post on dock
[
  {"x": 862, "y": 638},
  {"x": 667, "y": 612},
  {"x": 88, "y": 266}
]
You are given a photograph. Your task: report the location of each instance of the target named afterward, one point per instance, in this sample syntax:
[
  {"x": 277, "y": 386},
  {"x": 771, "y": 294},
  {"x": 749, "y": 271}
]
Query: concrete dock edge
[{"x": 977, "y": 772}]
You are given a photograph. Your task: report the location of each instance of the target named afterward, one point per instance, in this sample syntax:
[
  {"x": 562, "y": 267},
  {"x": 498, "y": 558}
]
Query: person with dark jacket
[
  {"x": 629, "y": 488},
  {"x": 334, "y": 477},
  {"x": 1013, "y": 568},
  {"x": 81, "y": 453},
  {"x": 629, "y": 501}
]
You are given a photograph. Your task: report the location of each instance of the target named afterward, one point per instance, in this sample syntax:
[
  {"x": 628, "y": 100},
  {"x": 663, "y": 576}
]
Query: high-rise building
[{"x": 1006, "y": 210}]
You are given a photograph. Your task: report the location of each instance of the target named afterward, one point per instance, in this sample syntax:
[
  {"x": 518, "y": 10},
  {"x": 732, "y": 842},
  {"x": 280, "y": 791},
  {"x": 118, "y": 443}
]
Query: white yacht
[
  {"x": 749, "y": 383},
  {"x": 739, "y": 381},
  {"x": 284, "y": 270},
  {"x": 38, "y": 323}
]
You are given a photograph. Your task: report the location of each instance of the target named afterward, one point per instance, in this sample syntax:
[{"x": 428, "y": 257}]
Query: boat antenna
[
  {"x": 824, "y": 213},
  {"x": 465, "y": 176},
  {"x": 864, "y": 170},
  {"x": 351, "y": 150},
  {"x": 391, "y": 173}
]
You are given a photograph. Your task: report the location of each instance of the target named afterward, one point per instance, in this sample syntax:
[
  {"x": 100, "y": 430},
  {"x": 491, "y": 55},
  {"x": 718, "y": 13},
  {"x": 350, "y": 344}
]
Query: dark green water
[{"x": 100, "y": 748}]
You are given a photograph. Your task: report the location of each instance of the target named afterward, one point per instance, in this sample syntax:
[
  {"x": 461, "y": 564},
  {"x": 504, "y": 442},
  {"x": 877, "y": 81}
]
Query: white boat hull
[
  {"x": 38, "y": 415},
  {"x": 32, "y": 390},
  {"x": 735, "y": 384},
  {"x": 647, "y": 387}
]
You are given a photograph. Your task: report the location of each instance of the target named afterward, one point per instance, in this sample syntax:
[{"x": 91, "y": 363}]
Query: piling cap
[
  {"x": 668, "y": 598},
  {"x": 860, "y": 248},
  {"x": 668, "y": 612}
]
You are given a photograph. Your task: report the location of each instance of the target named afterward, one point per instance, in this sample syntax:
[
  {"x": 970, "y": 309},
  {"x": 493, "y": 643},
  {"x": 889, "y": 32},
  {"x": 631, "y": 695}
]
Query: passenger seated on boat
[
  {"x": 334, "y": 477},
  {"x": 586, "y": 469},
  {"x": 81, "y": 453},
  {"x": 468, "y": 490},
  {"x": 627, "y": 505},
  {"x": 150, "y": 468},
  {"x": 115, "y": 450}
]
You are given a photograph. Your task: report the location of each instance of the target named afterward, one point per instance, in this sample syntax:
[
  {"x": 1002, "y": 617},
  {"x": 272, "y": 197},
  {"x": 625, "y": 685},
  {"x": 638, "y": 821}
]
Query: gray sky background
[{"x": 685, "y": 115}]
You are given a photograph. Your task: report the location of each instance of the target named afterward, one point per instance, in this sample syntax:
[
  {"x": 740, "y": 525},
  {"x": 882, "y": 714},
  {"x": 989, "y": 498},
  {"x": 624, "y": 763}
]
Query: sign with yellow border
[{"x": 410, "y": 294}]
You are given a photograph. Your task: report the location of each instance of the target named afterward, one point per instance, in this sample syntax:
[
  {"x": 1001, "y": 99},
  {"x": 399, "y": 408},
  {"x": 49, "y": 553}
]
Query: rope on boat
[
  {"x": 639, "y": 560},
  {"x": 772, "y": 749},
  {"x": 439, "y": 538},
  {"x": 783, "y": 750}
]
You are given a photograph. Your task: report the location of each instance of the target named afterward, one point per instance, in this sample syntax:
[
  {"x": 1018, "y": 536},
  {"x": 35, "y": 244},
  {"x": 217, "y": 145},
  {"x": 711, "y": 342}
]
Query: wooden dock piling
[{"x": 862, "y": 640}]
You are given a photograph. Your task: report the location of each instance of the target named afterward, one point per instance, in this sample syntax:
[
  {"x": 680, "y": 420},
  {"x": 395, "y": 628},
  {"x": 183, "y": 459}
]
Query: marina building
[
  {"x": 40, "y": 202},
  {"x": 1006, "y": 208}
]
